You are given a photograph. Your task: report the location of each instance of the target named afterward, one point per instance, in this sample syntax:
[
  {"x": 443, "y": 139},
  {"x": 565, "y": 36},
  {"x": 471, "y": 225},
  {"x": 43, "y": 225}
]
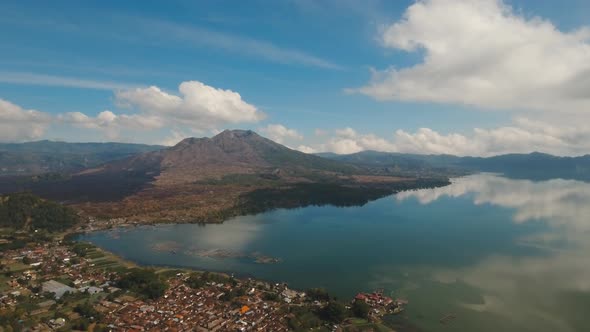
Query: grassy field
[
  {"x": 102, "y": 259},
  {"x": 18, "y": 267}
]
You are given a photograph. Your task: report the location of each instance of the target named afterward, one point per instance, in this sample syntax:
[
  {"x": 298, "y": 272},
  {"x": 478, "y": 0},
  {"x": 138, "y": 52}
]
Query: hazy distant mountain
[
  {"x": 533, "y": 165},
  {"x": 230, "y": 152},
  {"x": 49, "y": 156},
  {"x": 400, "y": 163}
]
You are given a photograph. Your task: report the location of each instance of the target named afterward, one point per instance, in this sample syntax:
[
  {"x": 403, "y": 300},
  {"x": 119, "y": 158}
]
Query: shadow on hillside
[
  {"x": 100, "y": 187},
  {"x": 319, "y": 194}
]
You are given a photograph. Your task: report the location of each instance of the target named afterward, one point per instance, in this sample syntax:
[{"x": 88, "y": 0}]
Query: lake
[{"x": 500, "y": 254}]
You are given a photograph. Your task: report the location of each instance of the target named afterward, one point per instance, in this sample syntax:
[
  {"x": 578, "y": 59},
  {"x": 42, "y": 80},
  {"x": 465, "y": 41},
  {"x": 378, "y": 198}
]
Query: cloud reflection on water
[
  {"x": 543, "y": 293},
  {"x": 558, "y": 202}
]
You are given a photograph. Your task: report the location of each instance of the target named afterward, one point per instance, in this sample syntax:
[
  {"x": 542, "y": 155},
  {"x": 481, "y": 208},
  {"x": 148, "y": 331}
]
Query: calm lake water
[{"x": 500, "y": 254}]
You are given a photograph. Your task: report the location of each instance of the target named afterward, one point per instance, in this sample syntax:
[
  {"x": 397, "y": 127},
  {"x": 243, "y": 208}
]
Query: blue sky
[{"x": 302, "y": 64}]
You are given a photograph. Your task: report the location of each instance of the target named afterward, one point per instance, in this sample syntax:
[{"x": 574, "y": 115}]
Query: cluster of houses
[
  {"x": 253, "y": 305},
  {"x": 49, "y": 268},
  {"x": 381, "y": 304},
  {"x": 56, "y": 269},
  {"x": 183, "y": 308}
]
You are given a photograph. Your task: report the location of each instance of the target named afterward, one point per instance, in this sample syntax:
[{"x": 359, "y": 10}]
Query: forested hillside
[
  {"x": 61, "y": 157},
  {"x": 25, "y": 211}
]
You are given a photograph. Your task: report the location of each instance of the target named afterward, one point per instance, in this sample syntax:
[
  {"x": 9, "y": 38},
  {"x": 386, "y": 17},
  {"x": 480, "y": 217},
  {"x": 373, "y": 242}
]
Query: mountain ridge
[
  {"x": 229, "y": 152},
  {"x": 534, "y": 165},
  {"x": 210, "y": 179},
  {"x": 32, "y": 158}
]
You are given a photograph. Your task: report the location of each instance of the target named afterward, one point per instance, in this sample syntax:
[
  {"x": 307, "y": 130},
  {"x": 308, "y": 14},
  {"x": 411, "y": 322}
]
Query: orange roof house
[{"x": 244, "y": 310}]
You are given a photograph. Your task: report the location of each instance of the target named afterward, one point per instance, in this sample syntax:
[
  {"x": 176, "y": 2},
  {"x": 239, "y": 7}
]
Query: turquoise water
[{"x": 499, "y": 254}]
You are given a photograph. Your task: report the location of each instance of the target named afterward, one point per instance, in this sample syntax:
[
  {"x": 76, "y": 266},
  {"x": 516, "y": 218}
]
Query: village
[
  {"x": 56, "y": 286},
  {"x": 183, "y": 308}
]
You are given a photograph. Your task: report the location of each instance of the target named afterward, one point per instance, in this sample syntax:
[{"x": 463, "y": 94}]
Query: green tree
[
  {"x": 318, "y": 294},
  {"x": 361, "y": 309},
  {"x": 143, "y": 281},
  {"x": 302, "y": 319},
  {"x": 270, "y": 297},
  {"x": 81, "y": 324},
  {"x": 334, "y": 312},
  {"x": 195, "y": 280},
  {"x": 27, "y": 211},
  {"x": 87, "y": 310}
]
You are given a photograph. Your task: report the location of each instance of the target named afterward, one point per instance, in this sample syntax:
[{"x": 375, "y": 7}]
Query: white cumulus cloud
[
  {"x": 18, "y": 124},
  {"x": 175, "y": 137},
  {"x": 110, "y": 123},
  {"x": 280, "y": 133},
  {"x": 482, "y": 53},
  {"x": 522, "y": 136},
  {"x": 347, "y": 140},
  {"x": 306, "y": 149},
  {"x": 199, "y": 106},
  {"x": 286, "y": 136}
]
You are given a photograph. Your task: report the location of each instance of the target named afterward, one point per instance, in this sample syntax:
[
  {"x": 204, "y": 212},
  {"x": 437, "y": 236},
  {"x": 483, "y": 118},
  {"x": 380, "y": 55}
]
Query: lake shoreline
[
  {"x": 261, "y": 200},
  {"x": 393, "y": 315}
]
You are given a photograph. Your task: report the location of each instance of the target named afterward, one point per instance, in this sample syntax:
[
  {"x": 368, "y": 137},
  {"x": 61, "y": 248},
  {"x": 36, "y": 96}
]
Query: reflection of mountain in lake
[{"x": 319, "y": 194}]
